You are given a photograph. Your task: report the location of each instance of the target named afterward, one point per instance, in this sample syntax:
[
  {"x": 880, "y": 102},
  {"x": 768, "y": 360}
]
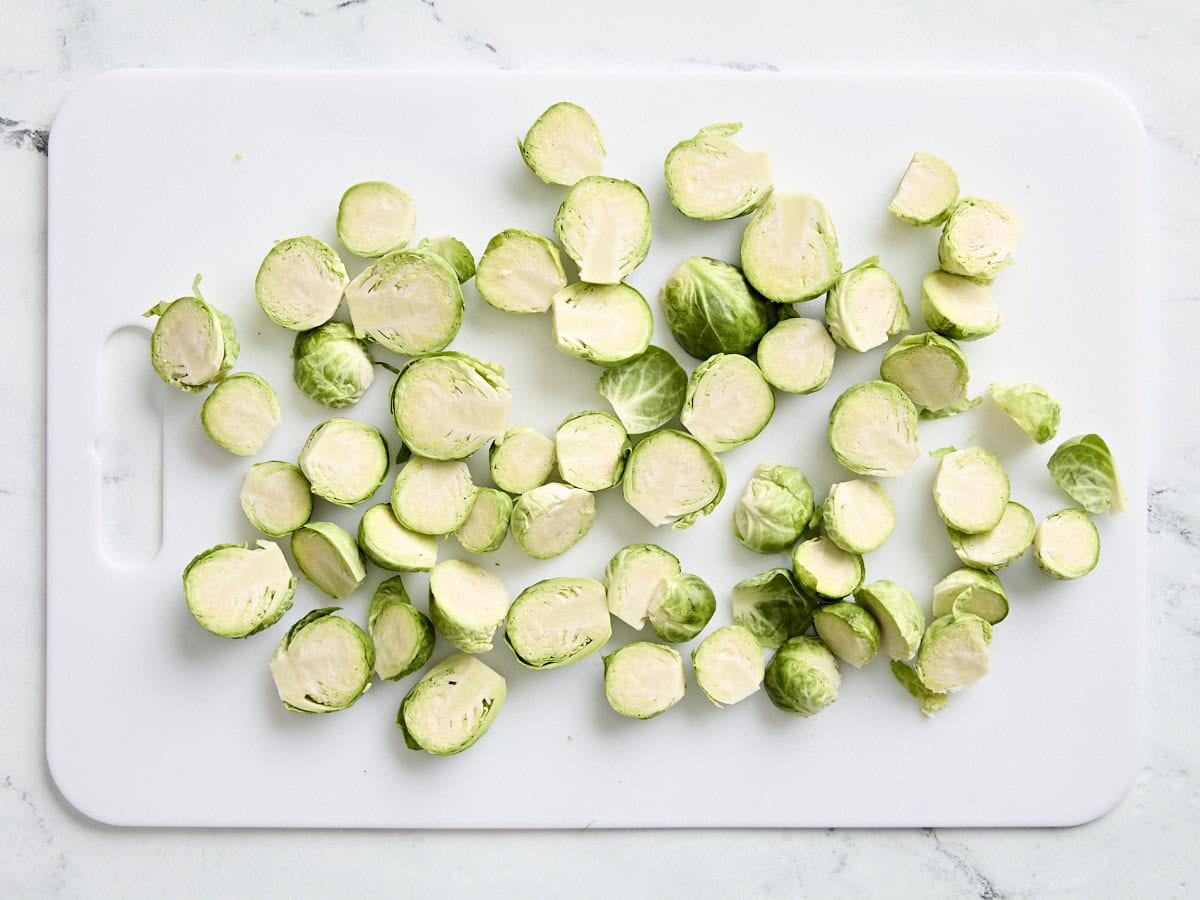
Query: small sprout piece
[
  {"x": 1031, "y": 407},
  {"x": 953, "y": 409},
  {"x": 971, "y": 490},
  {"x": 673, "y": 479},
  {"x": 234, "y": 591},
  {"x": 979, "y": 239},
  {"x": 790, "y": 249},
  {"x": 873, "y": 430},
  {"x": 521, "y": 460},
  {"x": 241, "y": 413},
  {"x": 926, "y": 191},
  {"x": 563, "y": 145},
  {"x": 300, "y": 283},
  {"x": 796, "y": 355},
  {"x": 449, "y": 405},
  {"x": 390, "y": 545},
  {"x": 728, "y": 665},
  {"x": 849, "y": 631},
  {"x": 327, "y": 554},
  {"x": 451, "y": 706},
  {"x": 557, "y": 622},
  {"x": 771, "y": 607},
  {"x": 680, "y": 608},
  {"x": 865, "y": 307},
  {"x": 774, "y": 509},
  {"x": 973, "y": 591},
  {"x": 409, "y": 302},
  {"x": 193, "y": 343},
  {"x": 957, "y": 307},
  {"x": 929, "y": 368},
  {"x": 710, "y": 308},
  {"x": 802, "y": 677},
  {"x": 276, "y": 498},
  {"x": 520, "y": 272},
  {"x": 466, "y": 604},
  {"x": 331, "y": 365},
  {"x": 591, "y": 449},
  {"x": 646, "y": 392},
  {"x": 1002, "y": 545},
  {"x": 631, "y": 580},
  {"x": 1084, "y": 467},
  {"x": 402, "y": 635},
  {"x": 345, "y": 461},
  {"x": 954, "y": 653},
  {"x": 898, "y": 614},
  {"x": 605, "y": 324},
  {"x": 454, "y": 252},
  {"x": 1067, "y": 544},
  {"x": 432, "y": 497},
  {"x": 487, "y": 524},
  {"x": 323, "y": 664},
  {"x": 931, "y": 701},
  {"x": 374, "y": 218},
  {"x": 858, "y": 515},
  {"x": 551, "y": 519},
  {"x": 728, "y": 402},
  {"x": 712, "y": 177},
  {"x": 604, "y": 225},
  {"x": 823, "y": 568},
  {"x": 642, "y": 679}
]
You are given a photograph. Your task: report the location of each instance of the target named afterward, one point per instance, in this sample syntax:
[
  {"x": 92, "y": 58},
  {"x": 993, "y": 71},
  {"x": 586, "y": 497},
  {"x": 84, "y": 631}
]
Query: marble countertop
[{"x": 1144, "y": 847}]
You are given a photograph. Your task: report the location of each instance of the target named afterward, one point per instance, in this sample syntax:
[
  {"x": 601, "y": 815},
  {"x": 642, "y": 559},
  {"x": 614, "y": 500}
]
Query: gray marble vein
[{"x": 23, "y": 136}]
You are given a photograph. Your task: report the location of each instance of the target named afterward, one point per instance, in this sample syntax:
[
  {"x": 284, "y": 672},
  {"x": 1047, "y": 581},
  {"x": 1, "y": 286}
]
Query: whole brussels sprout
[
  {"x": 331, "y": 365},
  {"x": 711, "y": 309}
]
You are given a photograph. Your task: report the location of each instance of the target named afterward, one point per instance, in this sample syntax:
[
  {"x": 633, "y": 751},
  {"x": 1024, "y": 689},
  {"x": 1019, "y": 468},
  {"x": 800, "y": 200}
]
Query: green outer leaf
[
  {"x": 772, "y": 607},
  {"x": 1031, "y": 407},
  {"x": 774, "y": 510},
  {"x": 681, "y": 608},
  {"x": 1084, "y": 468},
  {"x": 931, "y": 701},
  {"x": 646, "y": 392}
]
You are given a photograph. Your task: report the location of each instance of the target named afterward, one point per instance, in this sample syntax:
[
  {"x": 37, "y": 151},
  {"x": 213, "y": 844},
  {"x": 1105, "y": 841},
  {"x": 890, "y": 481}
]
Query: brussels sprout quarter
[
  {"x": 873, "y": 429},
  {"x": 276, "y": 497},
  {"x": 451, "y": 706},
  {"x": 409, "y": 302},
  {"x": 642, "y": 680},
  {"x": 728, "y": 402},
  {"x": 1085, "y": 469},
  {"x": 345, "y": 461},
  {"x": 332, "y": 366},
  {"x": 557, "y": 622},
  {"x": 790, "y": 249},
  {"x": 796, "y": 356},
  {"x": 710, "y": 176},
  {"x": 926, "y": 192},
  {"x": 300, "y": 283},
  {"x": 631, "y": 580},
  {"x": 774, "y": 510},
  {"x": 234, "y": 592},
  {"x": 467, "y": 604},
  {"x": 605, "y": 324},
  {"x": 402, "y": 635},
  {"x": 680, "y": 608},
  {"x": 241, "y": 413},
  {"x": 520, "y": 272},
  {"x": 899, "y": 615},
  {"x": 711, "y": 309},
  {"x": 865, "y": 307},
  {"x": 328, "y": 555},
  {"x": 772, "y": 607},
  {"x": 375, "y": 218},
  {"x": 563, "y": 145},
  {"x": 604, "y": 225},
  {"x": 449, "y": 405},
  {"x": 646, "y": 392},
  {"x": 802, "y": 677},
  {"x": 728, "y": 665},
  {"x": 1067, "y": 544},
  {"x": 551, "y": 519},
  {"x": 979, "y": 239},
  {"x": 193, "y": 344},
  {"x": 973, "y": 591},
  {"x": 672, "y": 479},
  {"x": 1031, "y": 407},
  {"x": 323, "y": 664}
]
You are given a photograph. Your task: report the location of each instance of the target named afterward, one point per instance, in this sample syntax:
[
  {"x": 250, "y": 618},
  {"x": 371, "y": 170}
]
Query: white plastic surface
[{"x": 155, "y": 176}]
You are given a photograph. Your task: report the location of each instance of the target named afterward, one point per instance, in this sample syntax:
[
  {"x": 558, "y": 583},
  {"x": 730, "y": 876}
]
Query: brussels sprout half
[
  {"x": 409, "y": 301},
  {"x": 926, "y": 192},
  {"x": 329, "y": 557},
  {"x": 823, "y": 568},
  {"x": 1004, "y": 544},
  {"x": 521, "y": 460},
  {"x": 276, "y": 498},
  {"x": 563, "y": 145},
  {"x": 402, "y": 635},
  {"x": 520, "y": 272},
  {"x": 331, "y": 365},
  {"x": 374, "y": 218},
  {"x": 873, "y": 429},
  {"x": 646, "y": 392},
  {"x": 604, "y": 225},
  {"x": 789, "y": 249},
  {"x": 772, "y": 607},
  {"x": 954, "y": 653},
  {"x": 605, "y": 324},
  {"x": 193, "y": 344},
  {"x": 300, "y": 283},
  {"x": 449, "y": 405},
  {"x": 711, "y": 309},
  {"x": 774, "y": 509},
  {"x": 1067, "y": 544},
  {"x": 672, "y": 479},
  {"x": 931, "y": 701},
  {"x": 849, "y": 631},
  {"x": 433, "y": 497},
  {"x": 451, "y": 706},
  {"x": 1031, "y": 407},
  {"x": 345, "y": 461},
  {"x": 591, "y": 449},
  {"x": 454, "y": 252},
  {"x": 467, "y": 604},
  {"x": 712, "y": 177},
  {"x": 557, "y": 622},
  {"x": 973, "y": 591},
  {"x": 549, "y": 520},
  {"x": 929, "y": 368},
  {"x": 865, "y": 307},
  {"x": 957, "y": 307},
  {"x": 241, "y": 413},
  {"x": 898, "y": 614},
  {"x": 728, "y": 665},
  {"x": 971, "y": 490},
  {"x": 1085, "y": 469},
  {"x": 486, "y": 525},
  {"x": 631, "y": 580},
  {"x": 796, "y": 355},
  {"x": 802, "y": 677},
  {"x": 323, "y": 664},
  {"x": 390, "y": 545},
  {"x": 680, "y": 608},
  {"x": 728, "y": 402},
  {"x": 234, "y": 591},
  {"x": 858, "y": 515},
  {"x": 979, "y": 239},
  {"x": 642, "y": 680}
]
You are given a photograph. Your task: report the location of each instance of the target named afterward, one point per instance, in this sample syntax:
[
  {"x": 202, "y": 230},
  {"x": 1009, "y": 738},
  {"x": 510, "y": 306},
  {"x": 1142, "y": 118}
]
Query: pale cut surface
[
  {"x": 871, "y": 432},
  {"x": 929, "y": 374},
  {"x": 470, "y": 596},
  {"x": 642, "y": 680},
  {"x": 389, "y": 540},
  {"x": 563, "y": 517},
  {"x": 487, "y": 523},
  {"x": 325, "y": 566},
  {"x": 432, "y": 497},
  {"x": 835, "y": 573},
  {"x": 1067, "y": 544},
  {"x": 962, "y": 301},
  {"x": 632, "y": 585},
  {"x": 241, "y": 414},
  {"x": 971, "y": 490},
  {"x": 456, "y": 702},
  {"x": 345, "y": 461},
  {"x": 375, "y": 218},
  {"x": 555, "y": 623},
  {"x": 926, "y": 191},
  {"x": 604, "y": 323},
  {"x": 564, "y": 145},
  {"x": 871, "y": 300},
  {"x": 187, "y": 339},
  {"x": 986, "y": 587},
  {"x": 410, "y": 303},
  {"x": 451, "y": 407},
  {"x": 235, "y": 588},
  {"x": 786, "y": 252},
  {"x": 1006, "y": 542},
  {"x": 862, "y": 514},
  {"x": 322, "y": 666},
  {"x": 842, "y": 640},
  {"x": 605, "y": 226},
  {"x": 730, "y": 404},
  {"x": 713, "y": 177},
  {"x": 985, "y": 237},
  {"x": 955, "y": 658},
  {"x": 522, "y": 461},
  {"x": 520, "y": 274},
  {"x": 276, "y": 498},
  {"x": 589, "y": 452},
  {"x": 797, "y": 355},
  {"x": 297, "y": 287},
  {"x": 671, "y": 479},
  {"x": 729, "y": 665},
  {"x": 396, "y": 635}
]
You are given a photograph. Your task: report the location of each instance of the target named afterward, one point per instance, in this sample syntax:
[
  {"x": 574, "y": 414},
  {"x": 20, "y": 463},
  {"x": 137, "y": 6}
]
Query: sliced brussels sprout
[
  {"x": 193, "y": 344},
  {"x": 680, "y": 608},
  {"x": 646, "y": 392},
  {"x": 631, "y": 580},
  {"x": 390, "y": 545},
  {"x": 300, "y": 283},
  {"x": 604, "y": 225},
  {"x": 931, "y": 701},
  {"x": 520, "y": 272},
  {"x": 234, "y": 591},
  {"x": 790, "y": 249},
  {"x": 873, "y": 430},
  {"x": 711, "y": 309},
  {"x": 971, "y": 490},
  {"x": 557, "y": 622},
  {"x": 953, "y": 409},
  {"x": 673, "y": 479},
  {"x": 728, "y": 665},
  {"x": 926, "y": 192},
  {"x": 345, "y": 461},
  {"x": 865, "y": 307},
  {"x": 563, "y": 145},
  {"x": 402, "y": 635},
  {"x": 327, "y": 554},
  {"x": 728, "y": 402},
  {"x": 957, "y": 307},
  {"x": 605, "y": 324},
  {"x": 954, "y": 653},
  {"x": 241, "y": 413},
  {"x": 971, "y": 590},
  {"x": 591, "y": 449},
  {"x": 796, "y": 355},
  {"x": 642, "y": 680},
  {"x": 979, "y": 239},
  {"x": 1085, "y": 469},
  {"x": 466, "y": 604},
  {"x": 331, "y": 365},
  {"x": 802, "y": 677},
  {"x": 374, "y": 218},
  {"x": 549, "y": 520},
  {"x": 849, "y": 631},
  {"x": 929, "y": 368},
  {"x": 486, "y": 525},
  {"x": 823, "y": 568},
  {"x": 449, "y": 405},
  {"x": 323, "y": 664},
  {"x": 898, "y": 615},
  {"x": 409, "y": 302},
  {"x": 712, "y": 177},
  {"x": 276, "y": 498},
  {"x": 451, "y": 706},
  {"x": 1067, "y": 544},
  {"x": 1031, "y": 407},
  {"x": 521, "y": 460},
  {"x": 453, "y": 251},
  {"x": 774, "y": 509},
  {"x": 858, "y": 515},
  {"x": 1004, "y": 544},
  {"x": 772, "y": 607},
  {"x": 433, "y": 497}
]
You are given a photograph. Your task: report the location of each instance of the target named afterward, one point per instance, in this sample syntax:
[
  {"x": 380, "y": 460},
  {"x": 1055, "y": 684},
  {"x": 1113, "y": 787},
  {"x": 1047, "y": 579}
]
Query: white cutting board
[{"x": 155, "y": 176}]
